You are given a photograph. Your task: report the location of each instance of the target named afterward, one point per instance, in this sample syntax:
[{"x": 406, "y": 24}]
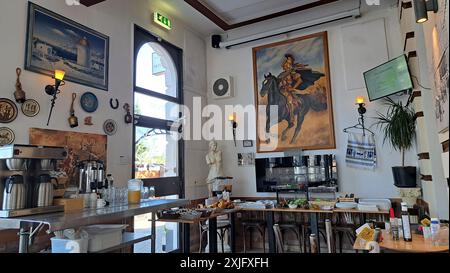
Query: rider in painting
[
  {"x": 289, "y": 91},
  {"x": 290, "y": 80}
]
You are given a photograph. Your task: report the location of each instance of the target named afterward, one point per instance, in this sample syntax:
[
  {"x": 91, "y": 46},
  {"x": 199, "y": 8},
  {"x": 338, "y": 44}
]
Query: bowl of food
[
  {"x": 322, "y": 204},
  {"x": 299, "y": 203}
]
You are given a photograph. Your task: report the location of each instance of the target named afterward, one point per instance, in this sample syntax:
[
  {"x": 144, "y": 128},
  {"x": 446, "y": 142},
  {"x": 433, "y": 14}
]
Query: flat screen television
[{"x": 389, "y": 78}]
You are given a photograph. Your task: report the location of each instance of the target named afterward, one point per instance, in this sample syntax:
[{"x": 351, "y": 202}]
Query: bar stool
[{"x": 254, "y": 224}]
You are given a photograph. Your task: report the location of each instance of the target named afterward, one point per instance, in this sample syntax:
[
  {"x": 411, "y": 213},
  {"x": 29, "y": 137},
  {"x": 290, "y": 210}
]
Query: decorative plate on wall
[
  {"x": 6, "y": 136},
  {"x": 8, "y": 111},
  {"x": 30, "y": 108},
  {"x": 110, "y": 127},
  {"x": 89, "y": 102}
]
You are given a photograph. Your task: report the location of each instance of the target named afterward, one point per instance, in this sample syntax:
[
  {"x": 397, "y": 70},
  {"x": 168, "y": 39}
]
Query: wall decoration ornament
[
  {"x": 56, "y": 42},
  {"x": 114, "y": 103},
  {"x": 128, "y": 116},
  {"x": 79, "y": 146},
  {"x": 73, "y": 120},
  {"x": 88, "y": 121},
  {"x": 6, "y": 136},
  {"x": 8, "y": 110},
  {"x": 293, "y": 95},
  {"x": 89, "y": 102},
  {"x": 247, "y": 143},
  {"x": 19, "y": 94},
  {"x": 31, "y": 108},
  {"x": 110, "y": 127}
]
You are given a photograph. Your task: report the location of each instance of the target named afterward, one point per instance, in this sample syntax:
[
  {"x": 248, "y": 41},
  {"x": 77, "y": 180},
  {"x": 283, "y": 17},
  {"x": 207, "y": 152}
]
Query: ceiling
[
  {"x": 232, "y": 14},
  {"x": 236, "y": 11},
  {"x": 215, "y": 16}
]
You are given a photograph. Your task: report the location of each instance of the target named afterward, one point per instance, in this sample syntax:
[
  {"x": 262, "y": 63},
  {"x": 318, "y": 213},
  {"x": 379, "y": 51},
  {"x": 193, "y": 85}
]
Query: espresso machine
[
  {"x": 91, "y": 176},
  {"x": 25, "y": 182}
]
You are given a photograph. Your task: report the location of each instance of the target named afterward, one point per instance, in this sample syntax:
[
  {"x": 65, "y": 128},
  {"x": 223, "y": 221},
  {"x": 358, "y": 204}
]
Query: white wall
[
  {"x": 114, "y": 18},
  {"x": 436, "y": 192},
  {"x": 238, "y": 63}
]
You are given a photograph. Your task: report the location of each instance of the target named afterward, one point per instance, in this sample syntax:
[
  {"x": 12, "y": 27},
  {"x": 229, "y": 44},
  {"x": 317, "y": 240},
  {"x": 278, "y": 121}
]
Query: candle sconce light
[
  {"x": 234, "y": 125},
  {"x": 362, "y": 110},
  {"x": 53, "y": 90}
]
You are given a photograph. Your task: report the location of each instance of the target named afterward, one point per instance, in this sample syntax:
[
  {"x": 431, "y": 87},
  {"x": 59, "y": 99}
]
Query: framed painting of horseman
[{"x": 293, "y": 95}]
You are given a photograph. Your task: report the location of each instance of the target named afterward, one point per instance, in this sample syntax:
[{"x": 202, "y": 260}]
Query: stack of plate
[
  {"x": 346, "y": 205},
  {"x": 381, "y": 204}
]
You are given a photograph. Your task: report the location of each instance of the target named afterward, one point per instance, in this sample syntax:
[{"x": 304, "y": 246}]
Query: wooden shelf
[{"x": 129, "y": 238}]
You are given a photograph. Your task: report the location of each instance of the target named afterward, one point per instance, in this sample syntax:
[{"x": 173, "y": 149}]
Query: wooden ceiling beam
[{"x": 89, "y": 3}]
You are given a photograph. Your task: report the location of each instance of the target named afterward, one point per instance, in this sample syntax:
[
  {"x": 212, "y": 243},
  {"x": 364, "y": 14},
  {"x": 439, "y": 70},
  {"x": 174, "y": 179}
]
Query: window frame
[{"x": 165, "y": 185}]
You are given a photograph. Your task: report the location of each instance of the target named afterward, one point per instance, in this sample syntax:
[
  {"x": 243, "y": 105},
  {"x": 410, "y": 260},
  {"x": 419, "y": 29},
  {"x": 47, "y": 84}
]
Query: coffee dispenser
[
  {"x": 92, "y": 176},
  {"x": 25, "y": 179}
]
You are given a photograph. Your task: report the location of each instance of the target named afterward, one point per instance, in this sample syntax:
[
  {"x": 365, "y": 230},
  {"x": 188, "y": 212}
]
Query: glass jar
[{"x": 134, "y": 191}]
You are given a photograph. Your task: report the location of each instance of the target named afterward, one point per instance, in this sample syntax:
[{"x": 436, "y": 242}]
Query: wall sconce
[
  {"x": 361, "y": 102},
  {"x": 232, "y": 119},
  {"x": 53, "y": 90},
  {"x": 422, "y": 7}
]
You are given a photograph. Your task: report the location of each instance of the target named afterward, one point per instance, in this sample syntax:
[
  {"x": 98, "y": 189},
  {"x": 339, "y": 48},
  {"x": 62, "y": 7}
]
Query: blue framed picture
[{"x": 55, "y": 42}]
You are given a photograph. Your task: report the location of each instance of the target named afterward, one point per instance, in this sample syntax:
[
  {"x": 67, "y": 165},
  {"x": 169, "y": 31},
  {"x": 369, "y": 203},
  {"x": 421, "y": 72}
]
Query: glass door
[{"x": 158, "y": 151}]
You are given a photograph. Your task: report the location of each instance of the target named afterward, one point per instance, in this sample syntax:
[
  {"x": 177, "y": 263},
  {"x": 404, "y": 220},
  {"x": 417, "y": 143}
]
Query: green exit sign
[{"x": 162, "y": 20}]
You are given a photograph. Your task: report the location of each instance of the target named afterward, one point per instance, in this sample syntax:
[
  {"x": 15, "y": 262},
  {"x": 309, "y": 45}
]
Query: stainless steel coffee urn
[
  {"x": 92, "y": 176},
  {"x": 25, "y": 178},
  {"x": 14, "y": 195}
]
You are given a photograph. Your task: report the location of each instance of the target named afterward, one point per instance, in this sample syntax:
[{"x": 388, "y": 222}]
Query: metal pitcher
[
  {"x": 14, "y": 195},
  {"x": 44, "y": 191}
]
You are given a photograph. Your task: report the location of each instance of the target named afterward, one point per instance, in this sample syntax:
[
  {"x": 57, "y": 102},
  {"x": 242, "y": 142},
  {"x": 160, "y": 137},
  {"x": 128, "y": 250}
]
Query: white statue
[{"x": 214, "y": 161}]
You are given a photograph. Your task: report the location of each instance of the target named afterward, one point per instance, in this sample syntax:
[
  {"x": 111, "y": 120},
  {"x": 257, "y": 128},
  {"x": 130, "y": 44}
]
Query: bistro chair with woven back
[{"x": 254, "y": 223}]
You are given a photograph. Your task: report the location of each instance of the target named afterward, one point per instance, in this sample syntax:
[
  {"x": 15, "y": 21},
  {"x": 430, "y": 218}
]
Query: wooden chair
[
  {"x": 222, "y": 227},
  {"x": 254, "y": 223},
  {"x": 294, "y": 226},
  {"x": 259, "y": 226}
]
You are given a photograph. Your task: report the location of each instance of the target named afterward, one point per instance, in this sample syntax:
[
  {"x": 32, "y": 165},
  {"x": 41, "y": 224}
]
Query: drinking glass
[
  {"x": 152, "y": 193},
  {"x": 145, "y": 193},
  {"x": 125, "y": 195}
]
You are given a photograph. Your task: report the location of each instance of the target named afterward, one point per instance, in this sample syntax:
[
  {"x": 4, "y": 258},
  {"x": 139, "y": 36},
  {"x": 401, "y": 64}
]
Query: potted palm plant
[{"x": 398, "y": 126}]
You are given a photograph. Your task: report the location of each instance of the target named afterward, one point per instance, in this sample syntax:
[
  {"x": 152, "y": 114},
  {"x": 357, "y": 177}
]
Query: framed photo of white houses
[{"x": 57, "y": 43}]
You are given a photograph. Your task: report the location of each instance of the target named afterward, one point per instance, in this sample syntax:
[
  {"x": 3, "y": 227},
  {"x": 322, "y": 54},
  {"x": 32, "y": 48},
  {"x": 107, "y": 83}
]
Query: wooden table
[
  {"x": 212, "y": 234},
  {"x": 417, "y": 245}
]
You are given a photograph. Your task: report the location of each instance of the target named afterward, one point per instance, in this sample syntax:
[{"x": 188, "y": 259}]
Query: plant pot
[{"x": 405, "y": 177}]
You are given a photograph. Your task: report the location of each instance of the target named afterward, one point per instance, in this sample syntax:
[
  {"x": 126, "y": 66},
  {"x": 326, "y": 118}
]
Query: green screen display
[{"x": 389, "y": 78}]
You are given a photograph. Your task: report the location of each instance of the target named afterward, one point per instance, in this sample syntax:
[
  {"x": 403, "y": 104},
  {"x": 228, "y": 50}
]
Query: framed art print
[
  {"x": 55, "y": 42},
  {"x": 293, "y": 95}
]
